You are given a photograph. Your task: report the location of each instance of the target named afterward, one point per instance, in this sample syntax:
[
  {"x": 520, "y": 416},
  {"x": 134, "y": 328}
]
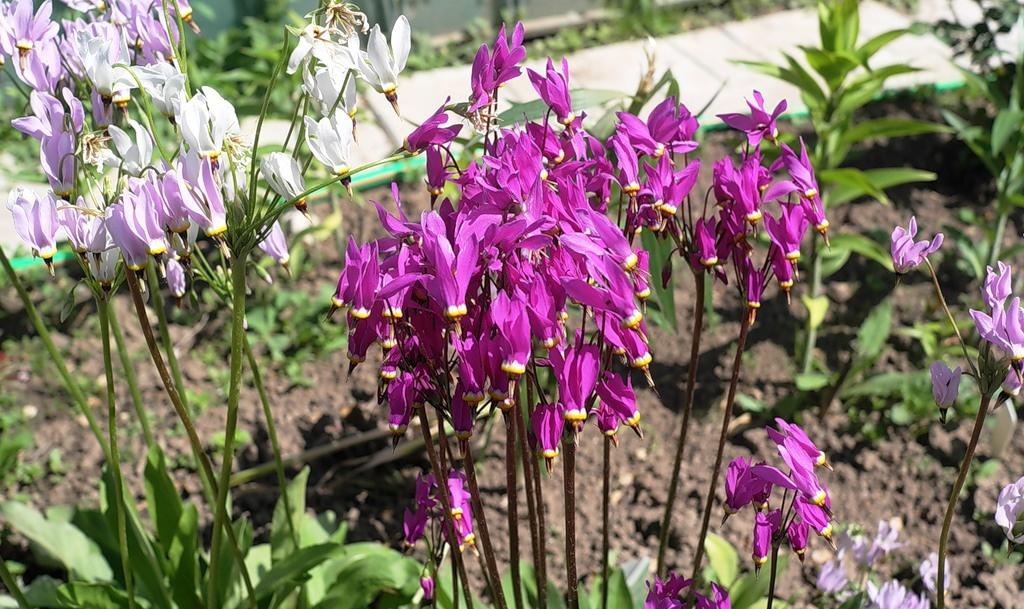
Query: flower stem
[
  {"x": 569, "y": 495},
  {"x": 542, "y": 567},
  {"x": 275, "y": 445},
  {"x": 605, "y": 500},
  {"x": 684, "y": 426},
  {"x": 446, "y": 504},
  {"x": 103, "y": 306},
  {"x": 220, "y": 517},
  {"x": 947, "y": 520},
  {"x": 74, "y": 391},
  {"x": 532, "y": 504},
  {"x": 485, "y": 534},
  {"x": 12, "y": 586},
  {"x": 203, "y": 461},
  {"x": 726, "y": 418},
  {"x": 775, "y": 568},
  {"x": 157, "y": 302},
  {"x": 949, "y": 316},
  {"x": 132, "y": 381},
  {"x": 814, "y": 290},
  {"x": 511, "y": 484}
]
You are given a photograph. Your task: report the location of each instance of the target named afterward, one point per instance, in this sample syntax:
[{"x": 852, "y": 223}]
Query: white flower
[
  {"x": 101, "y": 62},
  {"x": 316, "y": 40},
  {"x": 104, "y": 265},
  {"x": 330, "y": 141},
  {"x": 206, "y": 121},
  {"x": 1008, "y": 510},
  {"x": 282, "y": 172},
  {"x": 165, "y": 85},
  {"x": 133, "y": 154},
  {"x": 324, "y": 87},
  {"x": 381, "y": 65}
]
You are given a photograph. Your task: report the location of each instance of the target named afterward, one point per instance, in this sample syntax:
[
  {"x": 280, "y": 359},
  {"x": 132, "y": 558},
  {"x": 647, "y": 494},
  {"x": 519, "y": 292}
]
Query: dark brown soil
[{"x": 905, "y": 475}]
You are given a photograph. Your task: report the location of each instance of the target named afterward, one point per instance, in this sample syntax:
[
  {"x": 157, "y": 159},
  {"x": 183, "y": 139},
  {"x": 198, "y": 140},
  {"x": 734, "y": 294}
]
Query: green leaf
[
  {"x": 287, "y": 573},
  {"x": 854, "y": 602},
  {"x": 58, "y": 542},
  {"x": 723, "y": 559},
  {"x": 852, "y": 183},
  {"x": 816, "y": 309},
  {"x": 832, "y": 66},
  {"x": 369, "y": 572},
  {"x": 661, "y": 254},
  {"x": 750, "y": 588},
  {"x": 1006, "y": 125},
  {"x": 619, "y": 596},
  {"x": 811, "y": 381},
  {"x": 92, "y": 596},
  {"x": 865, "y": 246},
  {"x": 874, "y": 332},
  {"x": 536, "y": 110},
  {"x": 162, "y": 498},
  {"x": 889, "y": 127},
  {"x": 183, "y": 556},
  {"x": 877, "y": 43},
  {"x": 282, "y": 537}
]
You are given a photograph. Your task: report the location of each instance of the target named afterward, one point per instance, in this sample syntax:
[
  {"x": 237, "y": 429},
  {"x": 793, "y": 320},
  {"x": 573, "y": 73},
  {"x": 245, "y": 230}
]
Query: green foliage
[
  {"x": 746, "y": 589},
  {"x": 995, "y": 135},
  {"x": 311, "y": 562},
  {"x": 840, "y": 81}
]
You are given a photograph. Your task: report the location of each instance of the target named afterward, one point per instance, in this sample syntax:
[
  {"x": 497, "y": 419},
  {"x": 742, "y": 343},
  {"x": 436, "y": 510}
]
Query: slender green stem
[
  {"x": 684, "y": 425},
  {"x": 605, "y": 502},
  {"x": 709, "y": 502},
  {"x": 165, "y": 333},
  {"x": 275, "y": 445},
  {"x": 997, "y": 236},
  {"x": 132, "y": 381},
  {"x": 511, "y": 486},
  {"x": 775, "y": 568},
  {"x": 205, "y": 467},
  {"x": 72, "y": 388},
  {"x": 12, "y": 586},
  {"x": 115, "y": 458},
  {"x": 485, "y": 535},
  {"x": 446, "y": 504},
  {"x": 947, "y": 520},
  {"x": 220, "y": 517},
  {"x": 814, "y": 290},
  {"x": 949, "y": 316},
  {"x": 263, "y": 114},
  {"x": 569, "y": 495}
]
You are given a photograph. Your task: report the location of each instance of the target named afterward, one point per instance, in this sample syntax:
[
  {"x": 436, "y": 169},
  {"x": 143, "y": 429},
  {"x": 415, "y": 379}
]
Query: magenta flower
[
  {"x": 35, "y": 221},
  {"x": 576, "y": 371},
  {"x": 788, "y": 231},
  {"x": 553, "y": 88},
  {"x": 1003, "y": 327},
  {"x": 742, "y": 487},
  {"x": 548, "y": 424},
  {"x": 619, "y": 400},
  {"x": 759, "y": 124},
  {"x": 908, "y": 254},
  {"x": 432, "y": 132},
  {"x": 766, "y": 526},
  {"x": 672, "y": 593},
  {"x": 427, "y": 586},
  {"x": 797, "y": 534},
  {"x": 945, "y": 385},
  {"x": 1009, "y": 507}
]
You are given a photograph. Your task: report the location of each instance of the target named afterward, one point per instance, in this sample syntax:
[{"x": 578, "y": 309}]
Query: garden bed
[{"x": 894, "y": 472}]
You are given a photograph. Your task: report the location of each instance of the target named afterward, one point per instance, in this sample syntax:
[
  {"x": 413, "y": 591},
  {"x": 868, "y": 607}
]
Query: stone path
[{"x": 702, "y": 60}]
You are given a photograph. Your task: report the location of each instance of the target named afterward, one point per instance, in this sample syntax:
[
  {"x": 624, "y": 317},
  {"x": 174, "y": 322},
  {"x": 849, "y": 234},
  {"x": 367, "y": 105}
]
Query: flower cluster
[
  {"x": 782, "y": 194},
  {"x": 429, "y": 512},
  {"x": 101, "y": 82},
  {"x": 855, "y": 567},
  {"x": 672, "y": 592},
  {"x": 809, "y": 504}
]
